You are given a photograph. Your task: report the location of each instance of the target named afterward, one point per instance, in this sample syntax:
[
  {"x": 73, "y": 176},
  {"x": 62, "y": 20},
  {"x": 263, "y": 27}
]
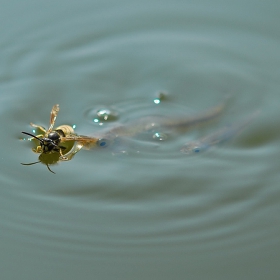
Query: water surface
[{"x": 158, "y": 214}]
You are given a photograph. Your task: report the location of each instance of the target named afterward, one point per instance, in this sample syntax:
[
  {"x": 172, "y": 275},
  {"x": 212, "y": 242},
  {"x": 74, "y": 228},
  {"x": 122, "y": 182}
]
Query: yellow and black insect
[{"x": 62, "y": 143}]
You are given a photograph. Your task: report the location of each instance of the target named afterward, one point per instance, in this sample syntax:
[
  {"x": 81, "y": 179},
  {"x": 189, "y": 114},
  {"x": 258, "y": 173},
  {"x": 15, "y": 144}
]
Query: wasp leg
[
  {"x": 38, "y": 150},
  {"x": 38, "y": 126},
  {"x": 75, "y": 149},
  {"x": 50, "y": 169},
  {"x": 62, "y": 157}
]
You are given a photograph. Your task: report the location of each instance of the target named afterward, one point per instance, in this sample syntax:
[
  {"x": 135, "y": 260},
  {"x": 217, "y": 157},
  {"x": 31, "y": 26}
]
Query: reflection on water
[
  {"x": 147, "y": 211},
  {"x": 217, "y": 137}
]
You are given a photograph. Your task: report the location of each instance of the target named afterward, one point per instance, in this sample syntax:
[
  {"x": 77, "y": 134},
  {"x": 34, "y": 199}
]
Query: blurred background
[{"x": 140, "y": 210}]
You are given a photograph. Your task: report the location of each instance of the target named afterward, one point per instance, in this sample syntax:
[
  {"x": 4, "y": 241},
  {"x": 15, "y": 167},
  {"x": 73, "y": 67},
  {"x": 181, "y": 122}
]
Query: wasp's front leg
[
  {"x": 38, "y": 150},
  {"x": 38, "y": 126}
]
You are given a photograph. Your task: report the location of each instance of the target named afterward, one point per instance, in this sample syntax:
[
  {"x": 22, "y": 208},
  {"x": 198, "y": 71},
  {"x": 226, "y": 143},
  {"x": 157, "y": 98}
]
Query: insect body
[{"x": 58, "y": 140}]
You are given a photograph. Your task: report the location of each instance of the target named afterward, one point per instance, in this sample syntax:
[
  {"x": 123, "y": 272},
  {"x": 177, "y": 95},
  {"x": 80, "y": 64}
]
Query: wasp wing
[
  {"x": 85, "y": 142},
  {"x": 54, "y": 113}
]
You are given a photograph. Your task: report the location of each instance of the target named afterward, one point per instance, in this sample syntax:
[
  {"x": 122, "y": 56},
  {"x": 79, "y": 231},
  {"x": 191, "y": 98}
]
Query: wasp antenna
[{"x": 41, "y": 141}]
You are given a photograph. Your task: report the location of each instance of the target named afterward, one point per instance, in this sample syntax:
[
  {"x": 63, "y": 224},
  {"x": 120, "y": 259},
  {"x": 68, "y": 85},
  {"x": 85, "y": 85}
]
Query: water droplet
[
  {"x": 160, "y": 96},
  {"x": 106, "y": 115},
  {"x": 101, "y": 115},
  {"x": 159, "y": 136}
]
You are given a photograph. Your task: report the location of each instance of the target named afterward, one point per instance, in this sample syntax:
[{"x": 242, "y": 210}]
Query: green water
[{"x": 151, "y": 212}]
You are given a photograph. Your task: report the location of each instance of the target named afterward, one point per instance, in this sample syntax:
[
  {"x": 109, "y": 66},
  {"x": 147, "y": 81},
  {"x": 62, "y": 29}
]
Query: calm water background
[{"x": 156, "y": 214}]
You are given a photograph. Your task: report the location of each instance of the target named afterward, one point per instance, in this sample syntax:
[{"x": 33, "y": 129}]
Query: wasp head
[{"x": 49, "y": 143}]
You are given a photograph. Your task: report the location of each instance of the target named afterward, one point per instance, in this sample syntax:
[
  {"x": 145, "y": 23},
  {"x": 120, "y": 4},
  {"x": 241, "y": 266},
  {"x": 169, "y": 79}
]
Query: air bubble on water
[
  {"x": 160, "y": 96},
  {"x": 107, "y": 115},
  {"x": 101, "y": 115},
  {"x": 157, "y": 101},
  {"x": 159, "y": 136}
]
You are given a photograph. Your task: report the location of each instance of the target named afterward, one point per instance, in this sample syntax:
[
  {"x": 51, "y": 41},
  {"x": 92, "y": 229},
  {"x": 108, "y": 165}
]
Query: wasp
[{"x": 61, "y": 143}]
